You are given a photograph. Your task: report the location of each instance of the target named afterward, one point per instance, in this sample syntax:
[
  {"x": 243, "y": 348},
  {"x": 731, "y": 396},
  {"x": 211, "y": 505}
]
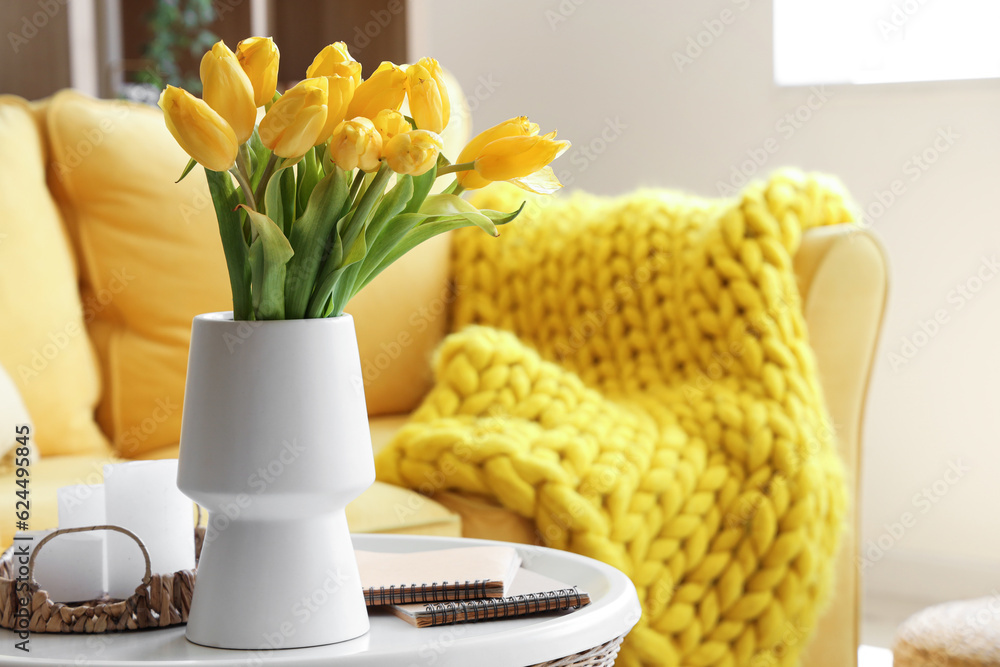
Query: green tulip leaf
[
  {"x": 187, "y": 170},
  {"x": 279, "y": 198},
  {"x": 396, "y": 230},
  {"x": 226, "y": 199},
  {"x": 308, "y": 175},
  {"x": 377, "y": 236},
  {"x": 261, "y": 155},
  {"x": 358, "y": 220},
  {"x": 269, "y": 255},
  {"x": 354, "y": 234},
  {"x": 453, "y": 205},
  {"x": 422, "y": 185},
  {"x": 422, "y": 229},
  {"x": 310, "y": 237}
]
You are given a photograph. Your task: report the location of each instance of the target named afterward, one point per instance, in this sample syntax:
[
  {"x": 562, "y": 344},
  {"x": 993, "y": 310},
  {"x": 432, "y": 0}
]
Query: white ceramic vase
[{"x": 274, "y": 444}]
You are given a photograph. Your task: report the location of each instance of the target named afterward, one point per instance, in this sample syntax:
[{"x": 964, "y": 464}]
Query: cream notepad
[
  {"x": 530, "y": 593},
  {"x": 436, "y": 576}
]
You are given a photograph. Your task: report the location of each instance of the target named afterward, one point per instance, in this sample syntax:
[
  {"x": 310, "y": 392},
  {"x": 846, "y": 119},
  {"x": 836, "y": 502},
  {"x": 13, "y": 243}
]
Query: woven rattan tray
[
  {"x": 159, "y": 601},
  {"x": 599, "y": 656}
]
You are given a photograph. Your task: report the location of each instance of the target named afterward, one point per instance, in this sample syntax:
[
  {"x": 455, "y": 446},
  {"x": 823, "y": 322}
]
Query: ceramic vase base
[{"x": 277, "y": 583}]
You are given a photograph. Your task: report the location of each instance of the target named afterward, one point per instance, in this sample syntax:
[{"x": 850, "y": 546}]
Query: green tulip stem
[
  {"x": 266, "y": 176},
  {"x": 359, "y": 178},
  {"x": 451, "y": 168},
  {"x": 245, "y": 186}
]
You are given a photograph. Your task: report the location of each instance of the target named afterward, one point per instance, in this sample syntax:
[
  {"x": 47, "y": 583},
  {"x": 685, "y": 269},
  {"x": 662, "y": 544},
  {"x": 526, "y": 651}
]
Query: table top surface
[{"x": 391, "y": 641}]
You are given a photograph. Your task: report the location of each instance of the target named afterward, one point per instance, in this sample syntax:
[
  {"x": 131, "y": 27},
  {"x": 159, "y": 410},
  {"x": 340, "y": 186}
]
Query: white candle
[
  {"x": 81, "y": 505},
  {"x": 70, "y": 567},
  {"x": 143, "y": 497}
]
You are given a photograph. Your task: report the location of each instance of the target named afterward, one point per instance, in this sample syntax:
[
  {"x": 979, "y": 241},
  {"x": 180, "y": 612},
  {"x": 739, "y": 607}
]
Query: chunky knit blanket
[{"x": 634, "y": 375}]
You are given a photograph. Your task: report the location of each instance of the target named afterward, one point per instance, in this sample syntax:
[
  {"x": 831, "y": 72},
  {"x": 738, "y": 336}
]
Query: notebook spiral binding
[
  {"x": 410, "y": 593},
  {"x": 476, "y": 610}
]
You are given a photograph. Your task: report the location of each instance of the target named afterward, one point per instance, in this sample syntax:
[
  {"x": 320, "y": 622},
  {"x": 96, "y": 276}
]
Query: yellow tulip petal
[
  {"x": 413, "y": 152},
  {"x": 335, "y": 60},
  {"x": 384, "y": 89},
  {"x": 515, "y": 157},
  {"x": 339, "y": 93},
  {"x": 429, "y": 105},
  {"x": 541, "y": 182},
  {"x": 519, "y": 126},
  {"x": 258, "y": 56},
  {"x": 296, "y": 120},
  {"x": 389, "y": 123},
  {"x": 356, "y": 144},
  {"x": 227, "y": 89},
  {"x": 199, "y": 129}
]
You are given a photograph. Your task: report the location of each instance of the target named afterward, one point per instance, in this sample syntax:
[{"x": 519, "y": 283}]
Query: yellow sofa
[{"x": 104, "y": 261}]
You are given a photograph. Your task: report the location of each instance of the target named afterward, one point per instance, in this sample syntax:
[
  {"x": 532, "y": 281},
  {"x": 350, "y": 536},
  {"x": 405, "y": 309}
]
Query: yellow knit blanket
[{"x": 634, "y": 375}]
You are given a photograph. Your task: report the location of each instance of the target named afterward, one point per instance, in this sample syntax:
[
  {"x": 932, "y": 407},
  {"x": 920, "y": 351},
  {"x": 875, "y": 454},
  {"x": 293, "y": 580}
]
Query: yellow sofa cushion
[
  {"x": 13, "y": 414},
  {"x": 43, "y": 338},
  {"x": 16, "y": 428},
  {"x": 400, "y": 318},
  {"x": 150, "y": 257}
]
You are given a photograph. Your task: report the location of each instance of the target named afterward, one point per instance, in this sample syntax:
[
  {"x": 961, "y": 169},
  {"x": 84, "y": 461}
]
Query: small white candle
[
  {"x": 81, "y": 505},
  {"x": 70, "y": 567},
  {"x": 143, "y": 497}
]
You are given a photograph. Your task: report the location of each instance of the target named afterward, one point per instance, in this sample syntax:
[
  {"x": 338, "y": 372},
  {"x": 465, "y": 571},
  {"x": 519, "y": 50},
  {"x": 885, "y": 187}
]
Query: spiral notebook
[
  {"x": 437, "y": 576},
  {"x": 530, "y": 593}
]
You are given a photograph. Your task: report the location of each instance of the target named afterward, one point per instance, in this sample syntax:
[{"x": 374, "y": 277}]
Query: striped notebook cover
[
  {"x": 530, "y": 593},
  {"x": 436, "y": 576}
]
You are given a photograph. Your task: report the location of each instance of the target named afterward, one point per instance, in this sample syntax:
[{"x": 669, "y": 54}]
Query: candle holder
[{"x": 159, "y": 601}]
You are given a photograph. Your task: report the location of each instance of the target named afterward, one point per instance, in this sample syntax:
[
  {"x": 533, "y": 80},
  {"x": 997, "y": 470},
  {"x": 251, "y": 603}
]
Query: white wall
[{"x": 586, "y": 66}]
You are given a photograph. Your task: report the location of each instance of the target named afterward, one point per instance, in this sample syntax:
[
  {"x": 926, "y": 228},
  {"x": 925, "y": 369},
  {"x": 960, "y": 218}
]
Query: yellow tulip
[
  {"x": 384, "y": 89},
  {"x": 523, "y": 161},
  {"x": 339, "y": 92},
  {"x": 227, "y": 89},
  {"x": 335, "y": 60},
  {"x": 514, "y": 157},
  {"x": 389, "y": 123},
  {"x": 428, "y": 95},
  {"x": 199, "y": 129},
  {"x": 413, "y": 152},
  {"x": 259, "y": 58},
  {"x": 295, "y": 121},
  {"x": 356, "y": 144},
  {"x": 515, "y": 127}
]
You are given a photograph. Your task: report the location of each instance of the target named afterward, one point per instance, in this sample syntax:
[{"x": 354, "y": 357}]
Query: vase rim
[{"x": 226, "y": 317}]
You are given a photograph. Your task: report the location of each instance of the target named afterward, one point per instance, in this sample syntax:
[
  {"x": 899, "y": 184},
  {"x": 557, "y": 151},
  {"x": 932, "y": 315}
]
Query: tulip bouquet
[{"x": 334, "y": 183}]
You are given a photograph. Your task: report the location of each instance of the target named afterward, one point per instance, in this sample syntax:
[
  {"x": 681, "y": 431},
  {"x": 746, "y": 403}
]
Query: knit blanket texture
[{"x": 634, "y": 375}]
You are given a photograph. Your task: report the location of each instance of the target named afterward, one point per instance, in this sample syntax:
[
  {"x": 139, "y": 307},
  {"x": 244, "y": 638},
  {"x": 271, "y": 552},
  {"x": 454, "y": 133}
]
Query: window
[{"x": 885, "y": 41}]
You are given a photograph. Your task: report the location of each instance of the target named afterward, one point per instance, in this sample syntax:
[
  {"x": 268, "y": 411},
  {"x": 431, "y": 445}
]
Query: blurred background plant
[{"x": 180, "y": 36}]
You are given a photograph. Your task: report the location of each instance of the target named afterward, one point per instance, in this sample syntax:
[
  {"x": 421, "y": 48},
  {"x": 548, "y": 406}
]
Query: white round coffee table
[{"x": 392, "y": 642}]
